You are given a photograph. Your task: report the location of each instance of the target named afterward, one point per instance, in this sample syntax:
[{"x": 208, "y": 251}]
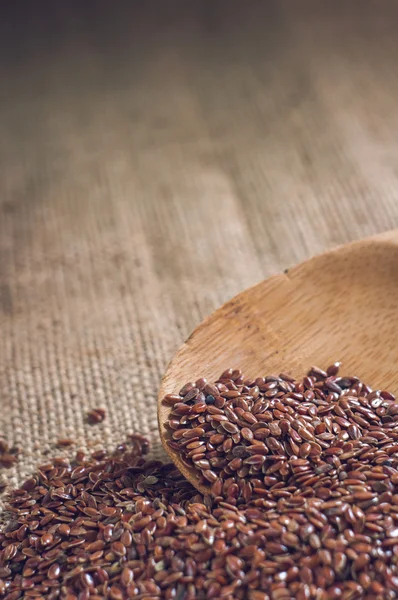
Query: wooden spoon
[{"x": 341, "y": 305}]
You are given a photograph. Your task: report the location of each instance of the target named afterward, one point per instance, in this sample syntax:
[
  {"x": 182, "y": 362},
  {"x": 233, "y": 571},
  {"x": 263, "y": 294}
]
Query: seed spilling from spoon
[
  {"x": 325, "y": 527},
  {"x": 247, "y": 438}
]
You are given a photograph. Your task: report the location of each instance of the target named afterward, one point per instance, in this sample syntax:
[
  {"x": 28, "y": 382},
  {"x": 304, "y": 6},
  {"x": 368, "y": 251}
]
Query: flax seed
[{"x": 303, "y": 505}]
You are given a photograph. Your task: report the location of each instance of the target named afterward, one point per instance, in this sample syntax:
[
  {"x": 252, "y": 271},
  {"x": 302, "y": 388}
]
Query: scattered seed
[
  {"x": 7, "y": 460},
  {"x": 96, "y": 415},
  {"x": 65, "y": 442},
  {"x": 303, "y": 506}
]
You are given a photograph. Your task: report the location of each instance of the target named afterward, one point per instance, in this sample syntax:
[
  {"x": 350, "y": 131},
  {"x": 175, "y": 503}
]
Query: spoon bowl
[{"x": 341, "y": 305}]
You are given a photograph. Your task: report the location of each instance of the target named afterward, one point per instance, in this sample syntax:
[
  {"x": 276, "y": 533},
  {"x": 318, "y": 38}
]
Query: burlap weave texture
[{"x": 156, "y": 160}]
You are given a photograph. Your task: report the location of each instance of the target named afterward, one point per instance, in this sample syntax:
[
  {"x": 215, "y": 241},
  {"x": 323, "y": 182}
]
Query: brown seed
[
  {"x": 235, "y": 464},
  {"x": 193, "y": 433},
  {"x": 305, "y": 434},
  {"x": 257, "y": 448},
  {"x": 9, "y": 552},
  {"x": 64, "y": 530},
  {"x": 186, "y": 388},
  {"x": 171, "y": 399},
  {"x": 210, "y": 476},
  {"x": 191, "y": 395},
  {"x": 126, "y": 538},
  {"x": 249, "y": 417},
  {"x": 46, "y": 539},
  {"x": 333, "y": 369},
  {"x": 107, "y": 533},
  {"x": 76, "y": 531},
  {"x": 3, "y": 447},
  {"x": 305, "y": 450},
  {"x": 289, "y": 517},
  {"x": 96, "y": 415},
  {"x": 95, "y": 546},
  {"x": 275, "y": 430},
  {"x": 7, "y": 460},
  {"x": 247, "y": 434},
  {"x": 54, "y": 571},
  {"x": 229, "y": 427},
  {"x": 118, "y": 548},
  {"x": 211, "y": 390},
  {"x": 115, "y": 593},
  {"x": 65, "y": 442},
  {"x": 256, "y": 459},
  {"x": 127, "y": 576},
  {"x": 216, "y": 488}
]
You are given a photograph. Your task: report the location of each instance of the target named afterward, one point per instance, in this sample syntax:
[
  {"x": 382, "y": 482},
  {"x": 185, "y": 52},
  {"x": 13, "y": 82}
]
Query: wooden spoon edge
[{"x": 168, "y": 384}]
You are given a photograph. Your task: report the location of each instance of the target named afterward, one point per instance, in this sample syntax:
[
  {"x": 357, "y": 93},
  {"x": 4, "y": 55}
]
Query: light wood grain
[{"x": 342, "y": 305}]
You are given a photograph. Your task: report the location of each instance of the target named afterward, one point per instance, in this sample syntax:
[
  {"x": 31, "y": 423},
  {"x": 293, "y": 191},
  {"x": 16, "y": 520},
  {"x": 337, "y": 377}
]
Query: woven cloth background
[{"x": 156, "y": 159}]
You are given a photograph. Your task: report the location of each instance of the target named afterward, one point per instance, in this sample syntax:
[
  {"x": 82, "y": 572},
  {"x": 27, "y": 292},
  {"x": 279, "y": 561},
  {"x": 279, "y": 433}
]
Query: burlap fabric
[{"x": 155, "y": 161}]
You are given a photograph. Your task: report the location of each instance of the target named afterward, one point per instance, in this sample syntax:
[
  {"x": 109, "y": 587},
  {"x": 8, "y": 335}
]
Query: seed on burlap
[
  {"x": 96, "y": 415},
  {"x": 65, "y": 442},
  {"x": 311, "y": 520},
  {"x": 3, "y": 483},
  {"x": 7, "y": 460}
]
